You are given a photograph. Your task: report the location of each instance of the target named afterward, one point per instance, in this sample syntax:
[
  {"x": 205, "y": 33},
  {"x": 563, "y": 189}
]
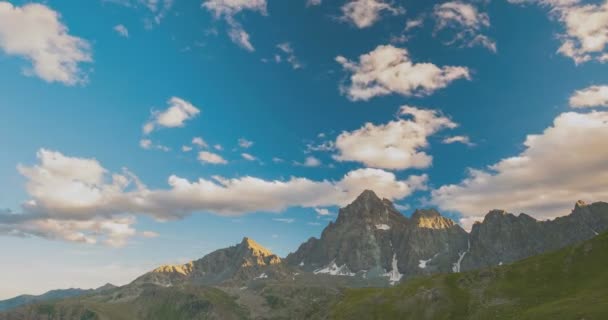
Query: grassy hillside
[{"x": 568, "y": 284}]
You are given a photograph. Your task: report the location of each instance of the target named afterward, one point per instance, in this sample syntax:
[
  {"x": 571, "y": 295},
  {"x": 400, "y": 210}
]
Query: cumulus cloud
[
  {"x": 36, "y": 33},
  {"x": 312, "y": 3},
  {"x": 593, "y": 96},
  {"x": 67, "y": 197},
  {"x": 563, "y": 164},
  {"x": 388, "y": 69},
  {"x": 227, "y": 9},
  {"x": 585, "y": 35},
  {"x": 210, "y": 157},
  {"x": 310, "y": 162},
  {"x": 466, "y": 21},
  {"x": 176, "y": 115},
  {"x": 122, "y": 30},
  {"x": 364, "y": 13},
  {"x": 76, "y": 199},
  {"x": 397, "y": 144}
]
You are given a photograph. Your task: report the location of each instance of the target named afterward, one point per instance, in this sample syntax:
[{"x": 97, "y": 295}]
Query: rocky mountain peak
[
  {"x": 367, "y": 199},
  {"x": 496, "y": 214},
  {"x": 580, "y": 204}
]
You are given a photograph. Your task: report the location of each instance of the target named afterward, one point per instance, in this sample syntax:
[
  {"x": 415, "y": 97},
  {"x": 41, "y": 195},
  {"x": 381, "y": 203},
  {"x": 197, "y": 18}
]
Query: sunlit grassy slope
[{"x": 568, "y": 284}]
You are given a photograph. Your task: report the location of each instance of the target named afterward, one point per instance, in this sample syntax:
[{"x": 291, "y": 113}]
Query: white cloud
[
  {"x": 231, "y": 7},
  {"x": 311, "y": 162},
  {"x": 593, "y": 96},
  {"x": 199, "y": 142},
  {"x": 156, "y": 10},
  {"x": 585, "y": 28},
  {"x": 284, "y": 220},
  {"x": 147, "y": 144},
  {"x": 186, "y": 148},
  {"x": 388, "y": 69},
  {"x": 364, "y": 13},
  {"x": 244, "y": 143},
  {"x": 76, "y": 199},
  {"x": 322, "y": 146},
  {"x": 312, "y": 3},
  {"x": 218, "y": 147},
  {"x": 291, "y": 58},
  {"x": 36, "y": 33},
  {"x": 322, "y": 211},
  {"x": 239, "y": 36},
  {"x": 176, "y": 115},
  {"x": 397, "y": 144},
  {"x": 459, "y": 139},
  {"x": 210, "y": 157},
  {"x": 248, "y": 157},
  {"x": 122, "y": 30},
  {"x": 466, "y": 20},
  {"x": 414, "y": 23},
  {"x": 277, "y": 160},
  {"x": 227, "y": 9},
  {"x": 563, "y": 164},
  {"x": 66, "y": 194}
]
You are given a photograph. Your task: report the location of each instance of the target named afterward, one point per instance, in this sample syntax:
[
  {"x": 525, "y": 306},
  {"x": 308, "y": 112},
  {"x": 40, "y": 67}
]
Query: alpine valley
[{"x": 373, "y": 263}]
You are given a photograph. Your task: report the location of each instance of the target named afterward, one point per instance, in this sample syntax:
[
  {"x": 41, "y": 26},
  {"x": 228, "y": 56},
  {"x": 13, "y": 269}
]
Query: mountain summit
[{"x": 244, "y": 261}]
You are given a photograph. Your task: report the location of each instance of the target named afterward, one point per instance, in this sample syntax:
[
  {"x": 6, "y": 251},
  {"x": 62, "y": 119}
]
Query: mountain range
[{"x": 371, "y": 244}]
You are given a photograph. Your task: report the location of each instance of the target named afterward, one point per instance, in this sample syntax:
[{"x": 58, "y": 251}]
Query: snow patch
[
  {"x": 302, "y": 263},
  {"x": 262, "y": 276},
  {"x": 394, "y": 276},
  {"x": 383, "y": 226},
  {"x": 334, "y": 270},
  {"x": 456, "y": 265},
  {"x": 422, "y": 263},
  {"x": 500, "y": 263}
]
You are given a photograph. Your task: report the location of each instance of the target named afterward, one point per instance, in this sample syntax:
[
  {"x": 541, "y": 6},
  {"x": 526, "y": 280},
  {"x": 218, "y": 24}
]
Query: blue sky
[{"x": 522, "y": 105}]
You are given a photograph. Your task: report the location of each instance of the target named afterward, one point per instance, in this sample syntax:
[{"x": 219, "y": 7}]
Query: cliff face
[{"x": 372, "y": 239}]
